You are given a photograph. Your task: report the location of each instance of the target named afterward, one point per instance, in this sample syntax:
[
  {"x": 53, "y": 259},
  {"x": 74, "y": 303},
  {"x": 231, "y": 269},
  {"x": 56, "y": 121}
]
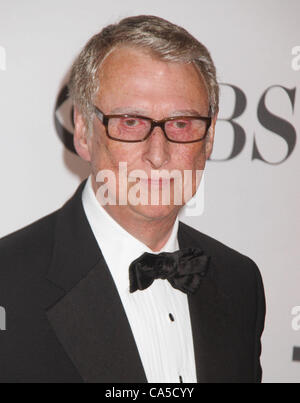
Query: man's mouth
[{"x": 151, "y": 182}]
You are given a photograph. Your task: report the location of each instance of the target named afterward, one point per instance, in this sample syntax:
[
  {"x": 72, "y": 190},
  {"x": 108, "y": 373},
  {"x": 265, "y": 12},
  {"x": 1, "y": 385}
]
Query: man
[{"x": 112, "y": 287}]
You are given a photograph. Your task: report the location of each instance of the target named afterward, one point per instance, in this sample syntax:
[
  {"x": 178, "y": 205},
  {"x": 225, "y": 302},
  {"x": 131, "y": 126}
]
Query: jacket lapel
[
  {"x": 85, "y": 310},
  {"x": 208, "y": 312}
]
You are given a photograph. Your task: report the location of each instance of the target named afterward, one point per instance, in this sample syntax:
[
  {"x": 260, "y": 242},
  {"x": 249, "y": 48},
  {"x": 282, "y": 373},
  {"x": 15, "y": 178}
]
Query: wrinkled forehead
[
  {"x": 131, "y": 69},
  {"x": 125, "y": 51}
]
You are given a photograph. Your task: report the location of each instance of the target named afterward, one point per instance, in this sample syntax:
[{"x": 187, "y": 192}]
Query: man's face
[{"x": 134, "y": 82}]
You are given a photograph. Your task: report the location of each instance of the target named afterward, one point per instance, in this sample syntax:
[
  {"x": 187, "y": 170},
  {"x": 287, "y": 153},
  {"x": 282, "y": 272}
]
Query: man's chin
[{"x": 155, "y": 212}]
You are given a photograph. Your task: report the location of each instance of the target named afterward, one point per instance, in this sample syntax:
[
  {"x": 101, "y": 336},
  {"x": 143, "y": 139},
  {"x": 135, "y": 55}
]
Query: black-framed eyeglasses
[{"x": 135, "y": 128}]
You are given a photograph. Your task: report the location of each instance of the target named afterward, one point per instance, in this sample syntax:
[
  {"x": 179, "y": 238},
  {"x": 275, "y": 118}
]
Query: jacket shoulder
[
  {"x": 30, "y": 234},
  {"x": 211, "y": 245},
  {"x": 226, "y": 260},
  {"x": 27, "y": 248},
  {"x": 25, "y": 254}
]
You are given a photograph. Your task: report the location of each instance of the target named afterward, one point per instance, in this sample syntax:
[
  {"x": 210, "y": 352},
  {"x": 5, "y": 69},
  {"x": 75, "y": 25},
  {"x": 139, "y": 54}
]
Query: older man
[{"x": 112, "y": 287}]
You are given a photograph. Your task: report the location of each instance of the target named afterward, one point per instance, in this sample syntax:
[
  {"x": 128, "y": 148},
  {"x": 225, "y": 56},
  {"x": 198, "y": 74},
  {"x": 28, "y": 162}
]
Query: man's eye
[
  {"x": 130, "y": 122},
  {"x": 180, "y": 124}
]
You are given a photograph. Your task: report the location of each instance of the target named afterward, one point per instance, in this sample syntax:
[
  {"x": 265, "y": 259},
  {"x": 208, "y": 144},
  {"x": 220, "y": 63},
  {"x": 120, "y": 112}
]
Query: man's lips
[{"x": 154, "y": 182}]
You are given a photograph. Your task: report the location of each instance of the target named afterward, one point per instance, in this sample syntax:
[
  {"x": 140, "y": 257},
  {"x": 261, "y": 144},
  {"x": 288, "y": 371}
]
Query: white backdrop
[{"x": 251, "y": 204}]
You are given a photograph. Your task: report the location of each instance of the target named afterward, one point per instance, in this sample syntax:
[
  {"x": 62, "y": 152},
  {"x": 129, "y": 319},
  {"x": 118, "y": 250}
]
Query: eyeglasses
[{"x": 135, "y": 128}]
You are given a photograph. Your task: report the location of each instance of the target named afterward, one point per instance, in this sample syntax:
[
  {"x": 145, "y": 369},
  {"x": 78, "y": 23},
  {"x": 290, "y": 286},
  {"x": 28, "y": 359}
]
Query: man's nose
[{"x": 157, "y": 152}]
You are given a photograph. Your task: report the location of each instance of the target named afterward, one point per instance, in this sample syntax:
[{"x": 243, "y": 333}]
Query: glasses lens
[
  {"x": 186, "y": 129},
  {"x": 128, "y": 128}
]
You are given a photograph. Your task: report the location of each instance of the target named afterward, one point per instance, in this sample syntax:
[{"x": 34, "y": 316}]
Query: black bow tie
[{"x": 183, "y": 269}]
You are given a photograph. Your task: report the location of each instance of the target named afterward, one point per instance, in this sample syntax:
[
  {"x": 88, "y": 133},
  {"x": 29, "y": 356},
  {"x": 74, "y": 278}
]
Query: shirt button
[{"x": 171, "y": 317}]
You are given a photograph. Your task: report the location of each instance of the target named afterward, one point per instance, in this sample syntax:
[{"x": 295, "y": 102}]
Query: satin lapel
[
  {"x": 208, "y": 312},
  {"x": 88, "y": 317}
]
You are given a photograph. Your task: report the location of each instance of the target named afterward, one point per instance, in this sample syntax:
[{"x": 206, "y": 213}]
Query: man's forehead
[
  {"x": 125, "y": 59},
  {"x": 133, "y": 81},
  {"x": 121, "y": 56}
]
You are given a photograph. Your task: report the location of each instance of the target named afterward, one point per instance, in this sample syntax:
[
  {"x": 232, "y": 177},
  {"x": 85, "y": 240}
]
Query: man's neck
[{"x": 152, "y": 232}]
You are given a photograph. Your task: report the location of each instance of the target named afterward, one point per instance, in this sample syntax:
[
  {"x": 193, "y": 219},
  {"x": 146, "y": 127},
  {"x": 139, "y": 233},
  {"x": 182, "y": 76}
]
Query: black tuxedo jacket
[{"x": 65, "y": 321}]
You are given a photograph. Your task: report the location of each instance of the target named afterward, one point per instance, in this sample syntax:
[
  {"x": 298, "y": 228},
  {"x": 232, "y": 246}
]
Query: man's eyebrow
[
  {"x": 186, "y": 112},
  {"x": 134, "y": 111},
  {"x": 129, "y": 111}
]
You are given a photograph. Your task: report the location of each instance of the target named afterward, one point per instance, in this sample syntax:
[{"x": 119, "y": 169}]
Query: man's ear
[
  {"x": 81, "y": 136},
  {"x": 209, "y": 141}
]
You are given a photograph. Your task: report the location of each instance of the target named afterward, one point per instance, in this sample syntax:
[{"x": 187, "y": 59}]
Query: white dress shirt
[{"x": 159, "y": 315}]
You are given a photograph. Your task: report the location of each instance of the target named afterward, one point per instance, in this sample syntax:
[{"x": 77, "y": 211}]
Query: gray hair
[{"x": 165, "y": 40}]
